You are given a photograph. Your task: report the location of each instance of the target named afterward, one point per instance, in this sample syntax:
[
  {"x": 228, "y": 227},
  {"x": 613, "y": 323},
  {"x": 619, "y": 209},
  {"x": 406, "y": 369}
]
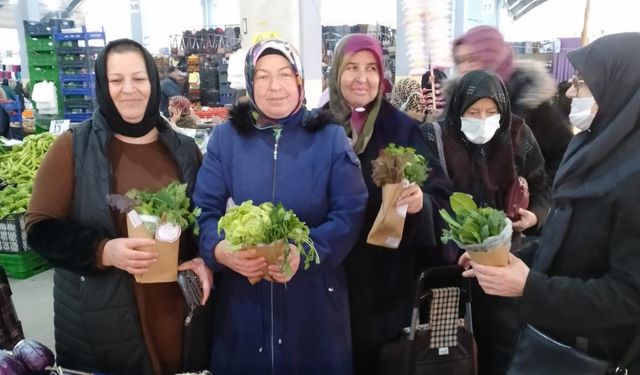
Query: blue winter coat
[{"x": 266, "y": 328}]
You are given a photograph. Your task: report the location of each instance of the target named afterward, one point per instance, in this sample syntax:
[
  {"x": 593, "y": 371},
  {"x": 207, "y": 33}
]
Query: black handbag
[
  {"x": 539, "y": 354},
  {"x": 444, "y": 346}
]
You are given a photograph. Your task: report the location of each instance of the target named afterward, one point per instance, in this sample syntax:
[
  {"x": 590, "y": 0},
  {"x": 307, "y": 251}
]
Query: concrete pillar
[
  {"x": 310, "y": 47},
  {"x": 30, "y": 11},
  {"x": 136, "y": 21}
]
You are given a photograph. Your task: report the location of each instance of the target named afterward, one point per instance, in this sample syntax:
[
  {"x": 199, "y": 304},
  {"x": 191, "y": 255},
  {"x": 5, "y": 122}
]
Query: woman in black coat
[
  {"x": 381, "y": 280},
  {"x": 485, "y": 148},
  {"x": 583, "y": 287}
]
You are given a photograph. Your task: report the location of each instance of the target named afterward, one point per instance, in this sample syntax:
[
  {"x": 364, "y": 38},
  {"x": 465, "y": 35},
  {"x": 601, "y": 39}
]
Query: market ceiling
[
  {"x": 8, "y": 15},
  {"x": 518, "y": 8}
]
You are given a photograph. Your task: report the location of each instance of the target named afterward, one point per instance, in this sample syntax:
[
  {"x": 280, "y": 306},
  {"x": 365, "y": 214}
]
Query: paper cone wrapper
[
  {"x": 389, "y": 224},
  {"x": 497, "y": 257},
  {"x": 494, "y": 251},
  {"x": 271, "y": 253},
  {"x": 166, "y": 268}
]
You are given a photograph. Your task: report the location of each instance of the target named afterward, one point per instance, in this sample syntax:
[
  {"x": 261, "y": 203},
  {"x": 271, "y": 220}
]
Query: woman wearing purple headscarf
[
  {"x": 274, "y": 150},
  {"x": 381, "y": 280}
]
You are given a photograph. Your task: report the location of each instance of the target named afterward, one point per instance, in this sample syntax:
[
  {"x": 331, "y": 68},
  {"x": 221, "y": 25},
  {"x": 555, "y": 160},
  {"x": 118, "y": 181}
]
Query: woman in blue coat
[{"x": 274, "y": 150}]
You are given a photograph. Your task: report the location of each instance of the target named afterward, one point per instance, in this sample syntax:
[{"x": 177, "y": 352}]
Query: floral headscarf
[{"x": 279, "y": 47}]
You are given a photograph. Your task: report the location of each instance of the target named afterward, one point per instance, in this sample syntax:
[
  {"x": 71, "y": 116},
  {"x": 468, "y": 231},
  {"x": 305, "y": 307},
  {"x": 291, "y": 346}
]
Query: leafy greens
[
  {"x": 170, "y": 203},
  {"x": 397, "y": 162},
  {"x": 248, "y": 225},
  {"x": 472, "y": 225}
]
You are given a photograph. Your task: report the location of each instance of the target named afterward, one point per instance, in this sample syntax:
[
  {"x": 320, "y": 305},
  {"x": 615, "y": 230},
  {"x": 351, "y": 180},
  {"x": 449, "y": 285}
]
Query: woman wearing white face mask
[
  {"x": 485, "y": 147},
  {"x": 583, "y": 105}
]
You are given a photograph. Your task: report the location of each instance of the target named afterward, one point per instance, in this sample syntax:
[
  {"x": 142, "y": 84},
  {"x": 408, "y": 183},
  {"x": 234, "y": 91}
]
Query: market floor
[{"x": 33, "y": 300}]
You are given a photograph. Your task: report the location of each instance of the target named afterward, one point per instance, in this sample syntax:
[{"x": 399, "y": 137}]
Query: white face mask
[
  {"x": 480, "y": 131},
  {"x": 581, "y": 115}
]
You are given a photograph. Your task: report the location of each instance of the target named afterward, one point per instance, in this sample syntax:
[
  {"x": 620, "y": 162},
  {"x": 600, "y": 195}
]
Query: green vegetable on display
[
  {"x": 395, "y": 163},
  {"x": 18, "y": 167},
  {"x": 248, "y": 225},
  {"x": 20, "y": 164},
  {"x": 471, "y": 225}
]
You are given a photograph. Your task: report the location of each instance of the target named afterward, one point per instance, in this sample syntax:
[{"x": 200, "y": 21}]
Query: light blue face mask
[{"x": 480, "y": 131}]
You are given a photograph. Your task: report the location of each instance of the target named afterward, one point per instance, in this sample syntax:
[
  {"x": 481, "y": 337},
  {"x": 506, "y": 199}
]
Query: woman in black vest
[{"x": 105, "y": 321}]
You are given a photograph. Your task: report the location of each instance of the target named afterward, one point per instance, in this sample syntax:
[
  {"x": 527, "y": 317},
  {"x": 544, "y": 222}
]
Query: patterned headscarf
[
  {"x": 484, "y": 171},
  {"x": 279, "y": 47},
  {"x": 490, "y": 49},
  {"x": 403, "y": 92}
]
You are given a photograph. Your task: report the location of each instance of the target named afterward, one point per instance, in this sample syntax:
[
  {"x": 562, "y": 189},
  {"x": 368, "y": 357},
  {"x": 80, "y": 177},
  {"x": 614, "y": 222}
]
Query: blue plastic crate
[
  {"x": 92, "y": 35},
  {"x": 83, "y": 77},
  {"x": 77, "y": 117},
  {"x": 73, "y": 91}
]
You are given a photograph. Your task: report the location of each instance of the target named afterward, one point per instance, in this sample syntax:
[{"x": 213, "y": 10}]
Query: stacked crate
[
  {"x": 43, "y": 65},
  {"x": 76, "y": 54}
]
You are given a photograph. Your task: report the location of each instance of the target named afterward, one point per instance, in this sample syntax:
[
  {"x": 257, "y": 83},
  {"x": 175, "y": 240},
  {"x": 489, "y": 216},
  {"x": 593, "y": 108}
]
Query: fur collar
[
  {"x": 529, "y": 86},
  {"x": 240, "y": 118}
]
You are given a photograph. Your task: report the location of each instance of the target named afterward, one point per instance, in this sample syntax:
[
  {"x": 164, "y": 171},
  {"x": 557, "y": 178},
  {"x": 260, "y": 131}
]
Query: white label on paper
[
  {"x": 393, "y": 242},
  {"x": 402, "y": 210},
  {"x": 134, "y": 218},
  {"x": 167, "y": 232}
]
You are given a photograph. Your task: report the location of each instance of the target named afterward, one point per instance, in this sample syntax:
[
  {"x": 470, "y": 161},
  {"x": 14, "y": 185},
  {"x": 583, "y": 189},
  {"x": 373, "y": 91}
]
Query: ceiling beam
[{"x": 68, "y": 9}]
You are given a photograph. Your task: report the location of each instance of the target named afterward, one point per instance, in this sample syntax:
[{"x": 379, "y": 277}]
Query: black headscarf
[
  {"x": 106, "y": 105},
  {"x": 599, "y": 159},
  {"x": 484, "y": 171}
]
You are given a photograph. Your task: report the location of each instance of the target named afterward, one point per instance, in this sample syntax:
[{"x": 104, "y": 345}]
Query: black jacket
[
  {"x": 381, "y": 281},
  {"x": 96, "y": 319}
]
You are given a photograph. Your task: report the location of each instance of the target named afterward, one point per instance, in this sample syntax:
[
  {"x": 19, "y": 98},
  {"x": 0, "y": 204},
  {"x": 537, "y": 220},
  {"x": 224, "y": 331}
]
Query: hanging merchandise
[{"x": 428, "y": 34}]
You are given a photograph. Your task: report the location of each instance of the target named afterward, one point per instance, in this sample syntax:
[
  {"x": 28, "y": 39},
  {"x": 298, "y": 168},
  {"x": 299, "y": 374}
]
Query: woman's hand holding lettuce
[{"x": 251, "y": 231}]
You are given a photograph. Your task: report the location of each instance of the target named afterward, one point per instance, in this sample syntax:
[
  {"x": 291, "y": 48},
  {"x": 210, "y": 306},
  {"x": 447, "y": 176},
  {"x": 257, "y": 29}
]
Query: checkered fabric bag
[
  {"x": 444, "y": 346},
  {"x": 443, "y": 320}
]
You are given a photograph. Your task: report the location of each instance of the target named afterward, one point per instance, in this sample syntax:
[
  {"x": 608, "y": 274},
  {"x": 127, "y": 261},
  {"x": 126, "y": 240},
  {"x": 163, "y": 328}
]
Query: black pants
[{"x": 495, "y": 327}]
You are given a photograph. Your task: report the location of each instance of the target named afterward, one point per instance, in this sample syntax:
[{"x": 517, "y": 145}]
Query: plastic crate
[
  {"x": 13, "y": 237},
  {"x": 33, "y": 28},
  {"x": 77, "y": 117},
  {"x": 44, "y": 74},
  {"x": 73, "y": 102},
  {"x": 57, "y": 25},
  {"x": 85, "y": 77},
  {"x": 42, "y": 59},
  {"x": 40, "y": 44},
  {"x": 23, "y": 265},
  {"x": 91, "y": 50}
]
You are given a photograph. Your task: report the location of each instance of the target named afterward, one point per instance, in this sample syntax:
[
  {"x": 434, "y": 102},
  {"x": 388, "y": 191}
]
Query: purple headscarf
[{"x": 490, "y": 49}]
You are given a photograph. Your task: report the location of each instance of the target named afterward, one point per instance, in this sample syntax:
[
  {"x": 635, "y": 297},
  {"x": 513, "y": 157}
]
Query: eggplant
[
  {"x": 34, "y": 355},
  {"x": 10, "y": 365}
]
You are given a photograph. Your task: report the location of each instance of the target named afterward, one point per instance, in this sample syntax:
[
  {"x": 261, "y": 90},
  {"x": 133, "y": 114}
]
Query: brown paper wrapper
[
  {"x": 166, "y": 268},
  {"x": 498, "y": 257},
  {"x": 389, "y": 224},
  {"x": 271, "y": 253}
]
